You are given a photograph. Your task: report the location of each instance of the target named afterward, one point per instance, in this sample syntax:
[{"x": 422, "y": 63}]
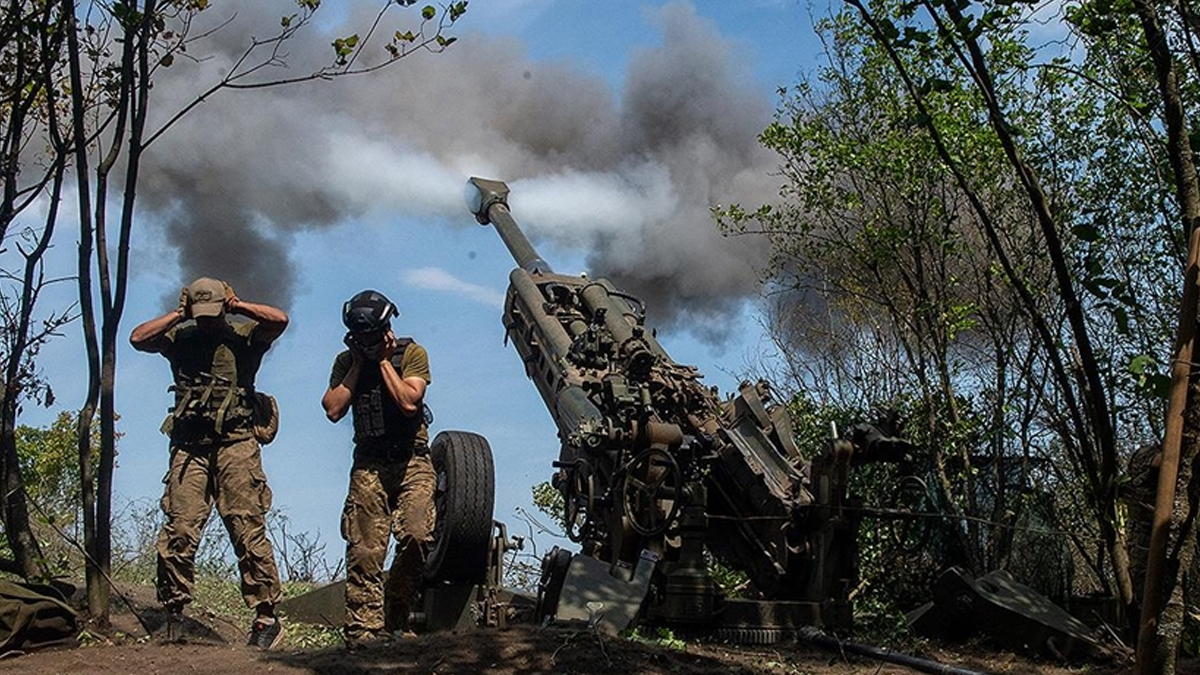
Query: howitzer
[{"x": 653, "y": 460}]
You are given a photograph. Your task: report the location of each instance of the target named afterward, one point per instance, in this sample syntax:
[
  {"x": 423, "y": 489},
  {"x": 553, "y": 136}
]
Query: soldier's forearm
[
  {"x": 144, "y": 337},
  {"x": 271, "y": 320},
  {"x": 259, "y": 312},
  {"x": 336, "y": 402},
  {"x": 405, "y": 394}
]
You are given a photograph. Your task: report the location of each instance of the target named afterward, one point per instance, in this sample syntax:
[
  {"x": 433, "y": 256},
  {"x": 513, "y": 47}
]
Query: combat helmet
[{"x": 368, "y": 312}]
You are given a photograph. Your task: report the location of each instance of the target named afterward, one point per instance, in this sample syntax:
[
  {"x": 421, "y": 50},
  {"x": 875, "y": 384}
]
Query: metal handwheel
[{"x": 648, "y": 482}]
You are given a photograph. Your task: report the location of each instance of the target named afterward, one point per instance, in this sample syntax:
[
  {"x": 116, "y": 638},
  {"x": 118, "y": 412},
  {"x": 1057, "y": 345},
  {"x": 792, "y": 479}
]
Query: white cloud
[{"x": 437, "y": 279}]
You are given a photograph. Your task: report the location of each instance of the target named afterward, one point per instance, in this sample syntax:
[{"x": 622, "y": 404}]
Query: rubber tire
[{"x": 465, "y": 497}]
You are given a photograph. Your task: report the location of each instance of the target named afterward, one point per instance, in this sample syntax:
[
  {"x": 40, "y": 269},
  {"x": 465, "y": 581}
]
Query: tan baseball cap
[{"x": 206, "y": 297}]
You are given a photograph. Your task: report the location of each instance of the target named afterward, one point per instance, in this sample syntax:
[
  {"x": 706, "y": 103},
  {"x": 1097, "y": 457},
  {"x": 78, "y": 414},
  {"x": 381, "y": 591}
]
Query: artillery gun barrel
[{"x": 488, "y": 200}]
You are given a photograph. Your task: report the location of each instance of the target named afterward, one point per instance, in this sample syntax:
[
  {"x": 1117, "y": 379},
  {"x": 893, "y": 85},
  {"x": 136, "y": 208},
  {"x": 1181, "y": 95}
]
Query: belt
[{"x": 389, "y": 453}]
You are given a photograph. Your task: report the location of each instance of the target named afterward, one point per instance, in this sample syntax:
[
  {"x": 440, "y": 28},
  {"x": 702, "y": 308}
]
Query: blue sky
[{"x": 360, "y": 187}]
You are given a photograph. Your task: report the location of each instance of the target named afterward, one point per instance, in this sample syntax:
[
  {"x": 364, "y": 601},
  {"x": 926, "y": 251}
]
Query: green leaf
[
  {"x": 344, "y": 47},
  {"x": 1139, "y": 364},
  {"x": 1088, "y": 233},
  {"x": 1121, "y": 316},
  {"x": 428, "y": 12},
  {"x": 1158, "y": 386},
  {"x": 889, "y": 30}
]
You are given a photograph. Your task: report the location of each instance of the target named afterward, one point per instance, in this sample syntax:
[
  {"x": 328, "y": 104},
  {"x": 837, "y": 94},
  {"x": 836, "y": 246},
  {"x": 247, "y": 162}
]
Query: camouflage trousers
[
  {"x": 231, "y": 476},
  {"x": 386, "y": 499}
]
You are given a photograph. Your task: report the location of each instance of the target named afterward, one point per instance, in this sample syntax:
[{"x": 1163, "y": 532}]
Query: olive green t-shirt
[{"x": 378, "y": 420}]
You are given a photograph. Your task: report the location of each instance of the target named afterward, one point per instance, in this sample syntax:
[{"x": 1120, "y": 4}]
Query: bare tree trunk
[
  {"x": 26, "y": 552},
  {"x": 1181, "y": 541},
  {"x": 96, "y": 588}
]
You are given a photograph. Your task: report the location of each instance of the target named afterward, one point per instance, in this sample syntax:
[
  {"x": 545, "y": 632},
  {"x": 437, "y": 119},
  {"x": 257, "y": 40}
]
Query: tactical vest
[
  {"x": 214, "y": 391},
  {"x": 378, "y": 421}
]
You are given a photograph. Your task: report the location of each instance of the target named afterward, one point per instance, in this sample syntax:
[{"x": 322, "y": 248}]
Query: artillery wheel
[
  {"x": 648, "y": 482},
  {"x": 580, "y": 500},
  {"x": 465, "y": 495}
]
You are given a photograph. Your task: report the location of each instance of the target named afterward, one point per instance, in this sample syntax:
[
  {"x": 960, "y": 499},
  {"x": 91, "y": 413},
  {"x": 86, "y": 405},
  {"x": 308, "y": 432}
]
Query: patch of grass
[
  {"x": 659, "y": 637},
  {"x": 221, "y": 596},
  {"x": 310, "y": 636}
]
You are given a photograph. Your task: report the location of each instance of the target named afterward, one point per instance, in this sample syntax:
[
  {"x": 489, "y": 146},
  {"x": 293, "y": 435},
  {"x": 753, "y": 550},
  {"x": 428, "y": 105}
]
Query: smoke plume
[{"x": 628, "y": 176}]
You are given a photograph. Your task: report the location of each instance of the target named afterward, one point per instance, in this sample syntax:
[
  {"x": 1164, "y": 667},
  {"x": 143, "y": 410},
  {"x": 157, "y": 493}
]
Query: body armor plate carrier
[{"x": 208, "y": 407}]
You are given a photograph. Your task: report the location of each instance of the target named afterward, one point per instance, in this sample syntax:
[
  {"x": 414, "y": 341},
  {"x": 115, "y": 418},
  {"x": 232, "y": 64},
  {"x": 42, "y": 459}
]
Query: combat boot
[
  {"x": 172, "y": 627},
  {"x": 265, "y": 633}
]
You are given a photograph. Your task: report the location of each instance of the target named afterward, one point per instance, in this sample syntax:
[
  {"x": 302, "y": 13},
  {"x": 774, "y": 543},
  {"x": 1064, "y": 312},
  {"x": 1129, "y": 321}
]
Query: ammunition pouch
[
  {"x": 266, "y": 417},
  {"x": 208, "y": 407}
]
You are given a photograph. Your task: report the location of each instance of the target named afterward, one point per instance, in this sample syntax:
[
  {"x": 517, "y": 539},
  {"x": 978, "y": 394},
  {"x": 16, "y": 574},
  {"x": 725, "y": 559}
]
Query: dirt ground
[
  {"x": 508, "y": 652},
  {"x": 215, "y": 645}
]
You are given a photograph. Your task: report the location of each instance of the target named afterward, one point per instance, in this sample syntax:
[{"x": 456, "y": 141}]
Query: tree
[
  {"x": 1161, "y": 39},
  {"x": 50, "y": 467},
  {"x": 31, "y": 48}
]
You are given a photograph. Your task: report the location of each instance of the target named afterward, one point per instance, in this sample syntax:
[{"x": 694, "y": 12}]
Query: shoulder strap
[{"x": 401, "y": 346}]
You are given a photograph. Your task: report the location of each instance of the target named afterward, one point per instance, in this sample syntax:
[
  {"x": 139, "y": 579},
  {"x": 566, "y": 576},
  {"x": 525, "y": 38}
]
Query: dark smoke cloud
[{"x": 628, "y": 176}]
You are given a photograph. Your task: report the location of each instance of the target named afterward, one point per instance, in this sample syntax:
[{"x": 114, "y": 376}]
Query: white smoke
[{"x": 628, "y": 176}]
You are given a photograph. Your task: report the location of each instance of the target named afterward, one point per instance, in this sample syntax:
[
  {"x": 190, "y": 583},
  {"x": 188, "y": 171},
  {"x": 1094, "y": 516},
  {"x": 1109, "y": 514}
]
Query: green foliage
[
  {"x": 813, "y": 421},
  {"x": 659, "y": 637},
  {"x": 49, "y": 460},
  {"x": 312, "y": 636},
  {"x": 403, "y": 41},
  {"x": 126, "y": 14},
  {"x": 1189, "y": 644},
  {"x": 344, "y": 47},
  {"x": 1098, "y": 18},
  {"x": 548, "y": 500},
  {"x": 730, "y": 582},
  {"x": 1149, "y": 376}
]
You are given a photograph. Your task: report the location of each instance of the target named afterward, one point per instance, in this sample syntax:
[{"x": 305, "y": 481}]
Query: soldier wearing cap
[
  {"x": 215, "y": 455},
  {"x": 381, "y": 380}
]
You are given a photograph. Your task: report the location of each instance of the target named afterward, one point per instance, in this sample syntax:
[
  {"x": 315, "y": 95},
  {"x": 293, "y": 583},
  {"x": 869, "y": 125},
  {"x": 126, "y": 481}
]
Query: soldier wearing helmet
[
  {"x": 215, "y": 454},
  {"x": 380, "y": 379}
]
